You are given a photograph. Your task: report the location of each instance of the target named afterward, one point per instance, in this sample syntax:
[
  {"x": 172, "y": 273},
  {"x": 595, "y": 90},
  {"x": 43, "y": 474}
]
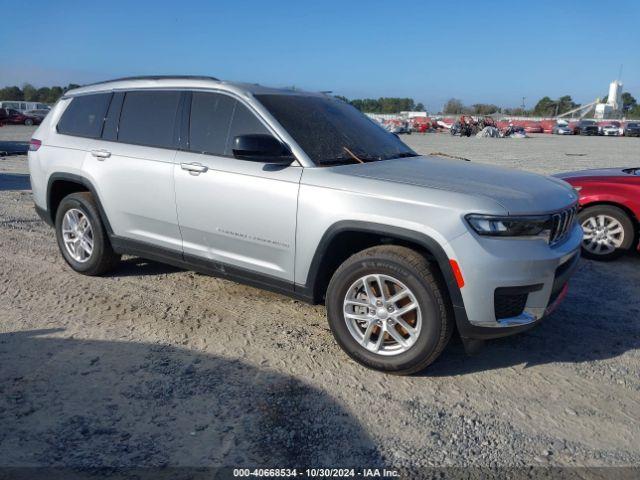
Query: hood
[
  {"x": 518, "y": 192},
  {"x": 594, "y": 173}
]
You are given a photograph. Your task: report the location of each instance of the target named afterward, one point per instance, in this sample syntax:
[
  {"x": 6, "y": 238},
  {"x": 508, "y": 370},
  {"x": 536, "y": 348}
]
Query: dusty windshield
[{"x": 333, "y": 132}]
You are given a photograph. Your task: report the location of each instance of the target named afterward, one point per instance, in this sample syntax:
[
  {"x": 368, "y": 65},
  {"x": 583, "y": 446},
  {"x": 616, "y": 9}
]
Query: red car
[
  {"x": 18, "y": 118},
  {"x": 609, "y": 210}
]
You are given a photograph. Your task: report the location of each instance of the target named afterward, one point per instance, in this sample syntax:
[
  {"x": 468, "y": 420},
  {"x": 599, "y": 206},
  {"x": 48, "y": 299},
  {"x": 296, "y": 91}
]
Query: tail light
[{"x": 34, "y": 145}]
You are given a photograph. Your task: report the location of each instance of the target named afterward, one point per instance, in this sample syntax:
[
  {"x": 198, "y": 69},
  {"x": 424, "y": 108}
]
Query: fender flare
[
  {"x": 421, "y": 239},
  {"x": 71, "y": 177}
]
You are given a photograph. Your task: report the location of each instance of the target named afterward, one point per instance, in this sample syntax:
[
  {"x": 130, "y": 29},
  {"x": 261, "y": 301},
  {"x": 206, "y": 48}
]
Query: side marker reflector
[{"x": 457, "y": 273}]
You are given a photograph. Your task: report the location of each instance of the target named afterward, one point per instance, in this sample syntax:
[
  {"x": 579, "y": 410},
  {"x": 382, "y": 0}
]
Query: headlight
[{"x": 527, "y": 226}]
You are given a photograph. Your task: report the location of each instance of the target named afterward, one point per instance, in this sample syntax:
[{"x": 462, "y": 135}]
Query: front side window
[
  {"x": 331, "y": 131},
  {"x": 216, "y": 119},
  {"x": 85, "y": 115},
  {"x": 209, "y": 122},
  {"x": 244, "y": 122},
  {"x": 149, "y": 118}
]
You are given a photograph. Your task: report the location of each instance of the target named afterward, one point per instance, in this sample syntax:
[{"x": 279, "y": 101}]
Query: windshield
[{"x": 331, "y": 131}]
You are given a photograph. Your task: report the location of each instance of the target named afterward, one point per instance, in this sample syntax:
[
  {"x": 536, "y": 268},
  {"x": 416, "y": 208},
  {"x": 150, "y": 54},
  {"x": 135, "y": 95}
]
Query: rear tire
[
  {"x": 28, "y": 122},
  {"x": 608, "y": 232},
  {"x": 93, "y": 256},
  {"x": 423, "y": 332}
]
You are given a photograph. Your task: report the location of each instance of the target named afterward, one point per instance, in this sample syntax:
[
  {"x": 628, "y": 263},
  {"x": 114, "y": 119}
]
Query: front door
[{"x": 234, "y": 212}]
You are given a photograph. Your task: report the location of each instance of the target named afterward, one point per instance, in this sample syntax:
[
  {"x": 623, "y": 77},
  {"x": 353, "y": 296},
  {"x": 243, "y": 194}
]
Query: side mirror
[{"x": 261, "y": 148}]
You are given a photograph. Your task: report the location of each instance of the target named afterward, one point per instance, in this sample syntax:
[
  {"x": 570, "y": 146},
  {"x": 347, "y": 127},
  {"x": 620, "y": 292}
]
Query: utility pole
[{"x": 523, "y": 107}]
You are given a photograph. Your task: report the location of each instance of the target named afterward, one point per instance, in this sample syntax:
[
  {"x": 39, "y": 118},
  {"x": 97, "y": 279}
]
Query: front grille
[{"x": 561, "y": 224}]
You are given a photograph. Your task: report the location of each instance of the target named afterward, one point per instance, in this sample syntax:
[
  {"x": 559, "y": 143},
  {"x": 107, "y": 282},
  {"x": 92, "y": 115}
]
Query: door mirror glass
[{"x": 261, "y": 148}]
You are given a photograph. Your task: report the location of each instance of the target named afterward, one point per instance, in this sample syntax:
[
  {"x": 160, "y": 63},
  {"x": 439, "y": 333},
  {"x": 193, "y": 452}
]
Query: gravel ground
[{"x": 154, "y": 366}]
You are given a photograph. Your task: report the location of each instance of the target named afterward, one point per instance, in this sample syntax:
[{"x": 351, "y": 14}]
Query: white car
[{"x": 610, "y": 131}]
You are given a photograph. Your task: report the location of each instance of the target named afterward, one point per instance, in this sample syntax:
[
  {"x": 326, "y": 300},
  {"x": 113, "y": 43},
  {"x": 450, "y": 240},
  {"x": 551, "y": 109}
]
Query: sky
[{"x": 480, "y": 52}]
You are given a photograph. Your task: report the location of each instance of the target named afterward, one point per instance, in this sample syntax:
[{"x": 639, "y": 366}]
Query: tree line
[
  {"x": 545, "y": 107},
  {"x": 29, "y": 93},
  {"x": 385, "y": 104}
]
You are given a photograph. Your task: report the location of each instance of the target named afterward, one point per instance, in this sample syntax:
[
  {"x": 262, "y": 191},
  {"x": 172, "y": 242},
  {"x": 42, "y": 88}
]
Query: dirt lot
[{"x": 153, "y": 366}]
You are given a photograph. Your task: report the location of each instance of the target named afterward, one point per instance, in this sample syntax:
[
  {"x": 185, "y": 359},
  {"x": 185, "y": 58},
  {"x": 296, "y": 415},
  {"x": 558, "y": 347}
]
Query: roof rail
[{"x": 156, "y": 77}]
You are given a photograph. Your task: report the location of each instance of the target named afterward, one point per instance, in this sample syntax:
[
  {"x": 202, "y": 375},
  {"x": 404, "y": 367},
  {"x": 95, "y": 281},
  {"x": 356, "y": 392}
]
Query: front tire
[
  {"x": 608, "y": 232},
  {"x": 81, "y": 236},
  {"x": 28, "y": 122},
  {"x": 387, "y": 310}
]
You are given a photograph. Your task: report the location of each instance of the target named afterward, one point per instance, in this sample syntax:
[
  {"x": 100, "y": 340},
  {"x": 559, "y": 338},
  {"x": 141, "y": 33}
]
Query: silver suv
[{"x": 300, "y": 193}]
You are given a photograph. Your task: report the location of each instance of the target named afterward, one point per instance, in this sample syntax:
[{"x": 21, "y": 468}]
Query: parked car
[
  {"x": 37, "y": 113},
  {"x": 18, "y": 118},
  {"x": 532, "y": 127},
  {"x": 632, "y": 129},
  {"x": 609, "y": 210},
  {"x": 585, "y": 127},
  {"x": 23, "y": 106},
  {"x": 610, "y": 131},
  {"x": 613, "y": 128},
  {"x": 302, "y": 194},
  {"x": 562, "y": 129}
]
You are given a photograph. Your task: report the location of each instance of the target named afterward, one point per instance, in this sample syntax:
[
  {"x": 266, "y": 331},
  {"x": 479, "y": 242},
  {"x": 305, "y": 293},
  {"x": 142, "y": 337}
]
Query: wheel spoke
[
  {"x": 406, "y": 308},
  {"x": 379, "y": 340},
  {"x": 380, "y": 283},
  {"x": 396, "y": 336},
  {"x": 355, "y": 316},
  {"x": 367, "y": 334},
  {"x": 410, "y": 330},
  {"x": 357, "y": 303},
  {"x": 367, "y": 289},
  {"x": 398, "y": 296}
]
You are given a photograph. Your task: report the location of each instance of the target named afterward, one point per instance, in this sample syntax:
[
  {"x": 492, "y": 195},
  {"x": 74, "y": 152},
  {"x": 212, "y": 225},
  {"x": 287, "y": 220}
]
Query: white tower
[{"x": 615, "y": 95}]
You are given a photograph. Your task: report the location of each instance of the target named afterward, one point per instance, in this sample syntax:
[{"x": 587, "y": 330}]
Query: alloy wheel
[
  {"x": 77, "y": 235},
  {"x": 603, "y": 234},
  {"x": 382, "y": 314}
]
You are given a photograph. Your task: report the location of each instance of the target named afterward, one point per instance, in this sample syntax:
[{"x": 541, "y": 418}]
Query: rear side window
[
  {"x": 244, "y": 122},
  {"x": 85, "y": 115},
  {"x": 149, "y": 118},
  {"x": 209, "y": 122}
]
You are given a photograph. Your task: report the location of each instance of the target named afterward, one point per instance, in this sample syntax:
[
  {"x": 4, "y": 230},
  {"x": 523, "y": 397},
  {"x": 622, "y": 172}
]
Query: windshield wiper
[{"x": 350, "y": 157}]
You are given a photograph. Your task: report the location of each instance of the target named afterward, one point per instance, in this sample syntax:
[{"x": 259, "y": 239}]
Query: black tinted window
[
  {"x": 209, "y": 123},
  {"x": 149, "y": 118},
  {"x": 327, "y": 129},
  {"x": 244, "y": 122},
  {"x": 85, "y": 115}
]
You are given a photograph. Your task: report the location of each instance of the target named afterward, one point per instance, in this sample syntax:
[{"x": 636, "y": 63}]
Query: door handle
[
  {"x": 101, "y": 154},
  {"x": 194, "y": 168}
]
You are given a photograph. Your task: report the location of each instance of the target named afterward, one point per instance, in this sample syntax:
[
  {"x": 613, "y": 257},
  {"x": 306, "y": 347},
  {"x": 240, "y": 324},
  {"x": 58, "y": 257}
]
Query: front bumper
[{"x": 488, "y": 264}]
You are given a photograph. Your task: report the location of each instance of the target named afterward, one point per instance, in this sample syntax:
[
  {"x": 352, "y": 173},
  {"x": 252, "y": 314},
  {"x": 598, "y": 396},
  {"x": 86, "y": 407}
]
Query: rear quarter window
[{"x": 84, "y": 116}]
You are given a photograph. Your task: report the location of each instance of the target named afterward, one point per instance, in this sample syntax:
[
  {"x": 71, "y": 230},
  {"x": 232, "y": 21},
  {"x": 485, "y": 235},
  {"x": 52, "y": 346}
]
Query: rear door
[
  {"x": 235, "y": 212},
  {"x": 132, "y": 165}
]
